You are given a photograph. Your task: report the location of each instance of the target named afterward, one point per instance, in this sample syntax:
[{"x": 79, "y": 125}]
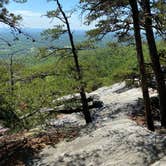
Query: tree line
[{"x": 126, "y": 18}]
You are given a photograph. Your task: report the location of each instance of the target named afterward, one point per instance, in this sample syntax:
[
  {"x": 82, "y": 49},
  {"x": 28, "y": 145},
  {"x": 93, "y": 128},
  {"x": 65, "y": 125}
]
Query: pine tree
[
  {"x": 155, "y": 60},
  {"x": 118, "y": 18},
  {"x": 57, "y": 32},
  {"x": 142, "y": 69}
]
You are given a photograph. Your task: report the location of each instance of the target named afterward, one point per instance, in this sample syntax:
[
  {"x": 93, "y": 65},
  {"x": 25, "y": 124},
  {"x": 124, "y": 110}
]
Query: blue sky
[{"x": 33, "y": 11}]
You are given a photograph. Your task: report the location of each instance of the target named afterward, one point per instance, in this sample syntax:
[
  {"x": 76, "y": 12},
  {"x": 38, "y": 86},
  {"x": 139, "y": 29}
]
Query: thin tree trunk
[
  {"x": 140, "y": 57},
  {"x": 75, "y": 56},
  {"x": 155, "y": 61}
]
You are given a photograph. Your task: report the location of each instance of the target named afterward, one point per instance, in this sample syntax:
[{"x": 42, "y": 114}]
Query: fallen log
[{"x": 93, "y": 102}]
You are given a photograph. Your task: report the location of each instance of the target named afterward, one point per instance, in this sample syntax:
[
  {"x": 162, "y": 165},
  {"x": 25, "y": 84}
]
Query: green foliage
[
  {"x": 85, "y": 45},
  {"x": 54, "y": 13},
  {"x": 159, "y": 6},
  {"x": 112, "y": 16},
  {"x": 54, "y": 33},
  {"x": 45, "y": 80},
  {"x": 8, "y": 18},
  {"x": 8, "y": 116}
]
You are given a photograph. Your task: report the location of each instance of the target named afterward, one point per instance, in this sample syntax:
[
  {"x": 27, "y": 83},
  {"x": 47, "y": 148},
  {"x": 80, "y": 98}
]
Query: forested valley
[{"x": 95, "y": 96}]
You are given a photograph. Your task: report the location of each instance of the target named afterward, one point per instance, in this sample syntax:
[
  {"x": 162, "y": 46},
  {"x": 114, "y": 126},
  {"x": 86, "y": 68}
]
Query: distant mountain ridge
[{"x": 35, "y": 33}]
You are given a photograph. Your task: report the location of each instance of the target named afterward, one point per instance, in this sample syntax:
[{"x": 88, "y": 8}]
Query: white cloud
[
  {"x": 33, "y": 19},
  {"x": 27, "y": 13},
  {"x": 76, "y": 23}
]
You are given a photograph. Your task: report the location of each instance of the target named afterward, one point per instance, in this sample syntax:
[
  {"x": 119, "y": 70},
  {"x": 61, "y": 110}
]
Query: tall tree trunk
[
  {"x": 155, "y": 61},
  {"x": 75, "y": 56},
  {"x": 140, "y": 57}
]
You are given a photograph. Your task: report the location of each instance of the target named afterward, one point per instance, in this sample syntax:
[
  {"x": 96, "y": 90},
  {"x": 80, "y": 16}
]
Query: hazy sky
[{"x": 33, "y": 11}]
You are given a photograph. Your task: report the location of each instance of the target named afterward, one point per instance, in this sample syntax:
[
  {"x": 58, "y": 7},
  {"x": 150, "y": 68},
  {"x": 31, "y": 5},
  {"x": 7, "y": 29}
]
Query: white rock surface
[
  {"x": 120, "y": 143},
  {"x": 68, "y": 119},
  {"x": 161, "y": 162},
  {"x": 113, "y": 139},
  {"x": 3, "y": 130}
]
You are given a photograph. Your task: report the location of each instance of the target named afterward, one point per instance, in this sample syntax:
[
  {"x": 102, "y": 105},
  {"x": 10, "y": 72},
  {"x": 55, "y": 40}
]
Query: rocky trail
[{"x": 115, "y": 138}]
